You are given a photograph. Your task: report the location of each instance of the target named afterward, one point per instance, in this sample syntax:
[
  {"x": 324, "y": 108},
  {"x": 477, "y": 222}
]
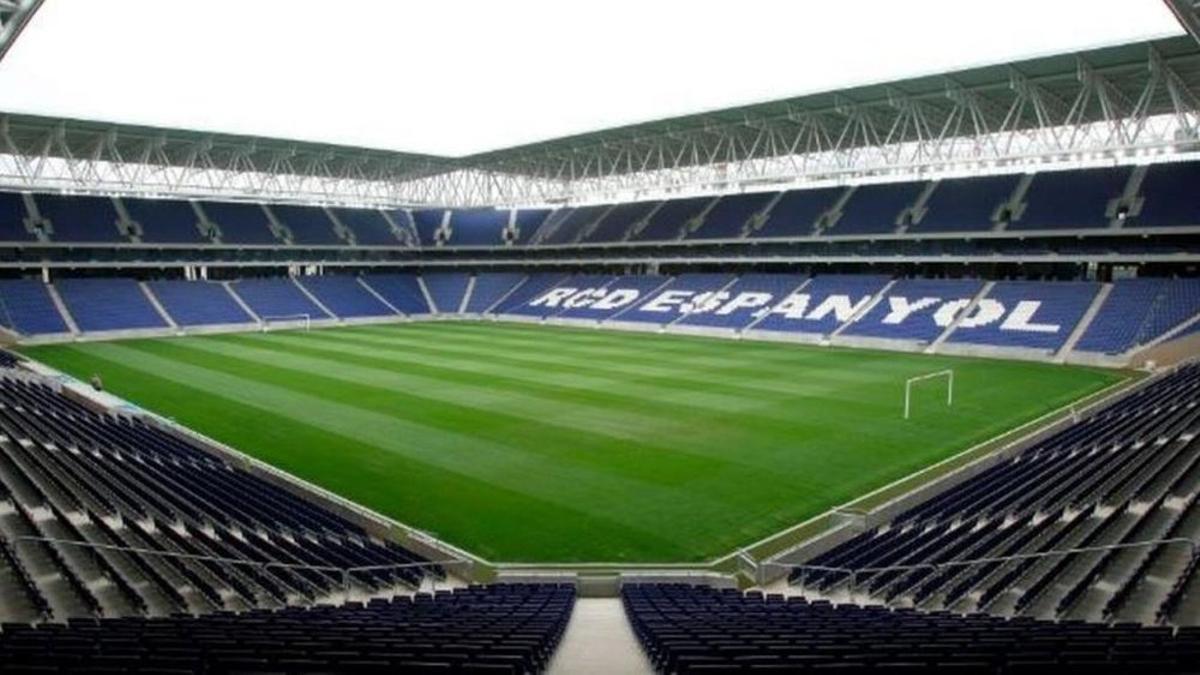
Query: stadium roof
[{"x": 1109, "y": 101}]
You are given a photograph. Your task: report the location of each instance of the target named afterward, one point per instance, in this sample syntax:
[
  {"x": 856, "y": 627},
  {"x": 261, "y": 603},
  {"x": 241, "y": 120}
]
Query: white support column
[
  {"x": 767, "y": 313},
  {"x": 865, "y": 308},
  {"x": 1084, "y": 323},
  {"x": 62, "y": 309},
  {"x": 983, "y": 292},
  {"x": 241, "y": 303},
  {"x": 362, "y": 282},
  {"x": 433, "y": 308},
  {"x": 308, "y": 294},
  {"x": 162, "y": 311},
  {"x": 462, "y": 306}
]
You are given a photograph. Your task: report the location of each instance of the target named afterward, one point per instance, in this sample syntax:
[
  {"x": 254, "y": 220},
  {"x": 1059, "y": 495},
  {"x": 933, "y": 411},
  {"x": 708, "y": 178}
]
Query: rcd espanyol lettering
[{"x": 1021, "y": 316}]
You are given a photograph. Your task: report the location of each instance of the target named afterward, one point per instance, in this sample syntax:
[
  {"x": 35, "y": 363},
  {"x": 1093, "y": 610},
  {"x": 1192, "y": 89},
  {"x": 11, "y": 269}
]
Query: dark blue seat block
[
  {"x": 797, "y": 211},
  {"x": 164, "y": 221},
  {"x": 276, "y": 298},
  {"x": 728, "y": 218},
  {"x": 345, "y": 297},
  {"x": 240, "y": 223},
  {"x": 478, "y": 227},
  {"x": 26, "y": 307},
  {"x": 1031, "y": 314},
  {"x": 1168, "y": 192},
  {"x": 965, "y": 204},
  {"x": 1071, "y": 199},
  {"x": 198, "y": 303},
  {"x": 12, "y": 218},
  {"x": 80, "y": 219},
  {"x": 876, "y": 209},
  {"x": 402, "y": 291},
  {"x": 490, "y": 288},
  {"x": 447, "y": 289},
  {"x": 108, "y": 304},
  {"x": 369, "y": 226},
  {"x": 916, "y": 309},
  {"x": 309, "y": 225}
]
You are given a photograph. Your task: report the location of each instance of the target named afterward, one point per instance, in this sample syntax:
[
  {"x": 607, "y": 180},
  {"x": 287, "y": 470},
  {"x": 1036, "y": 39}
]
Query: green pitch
[{"x": 528, "y": 443}]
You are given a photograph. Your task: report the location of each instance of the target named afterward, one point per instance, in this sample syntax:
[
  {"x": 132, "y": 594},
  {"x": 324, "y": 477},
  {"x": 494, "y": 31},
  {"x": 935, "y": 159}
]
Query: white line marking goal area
[
  {"x": 285, "y": 321},
  {"x": 908, "y": 387}
]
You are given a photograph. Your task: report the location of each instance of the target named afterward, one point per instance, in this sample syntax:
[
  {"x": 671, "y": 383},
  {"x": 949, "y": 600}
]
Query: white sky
[{"x": 455, "y": 77}]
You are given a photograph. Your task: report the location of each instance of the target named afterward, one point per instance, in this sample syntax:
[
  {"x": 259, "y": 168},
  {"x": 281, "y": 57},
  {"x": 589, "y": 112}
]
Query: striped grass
[{"x": 526, "y": 443}]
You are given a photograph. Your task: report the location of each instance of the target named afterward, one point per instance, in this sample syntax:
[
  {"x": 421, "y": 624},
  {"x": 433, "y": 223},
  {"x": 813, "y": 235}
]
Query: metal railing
[
  {"x": 854, "y": 574},
  {"x": 346, "y": 574}
]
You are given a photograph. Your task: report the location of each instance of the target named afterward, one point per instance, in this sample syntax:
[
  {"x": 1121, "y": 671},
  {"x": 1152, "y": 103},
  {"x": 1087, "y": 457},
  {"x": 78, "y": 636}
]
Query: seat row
[
  {"x": 1122, "y": 485},
  {"x": 487, "y": 629},
  {"x": 107, "y": 515},
  {"x": 696, "y": 629}
]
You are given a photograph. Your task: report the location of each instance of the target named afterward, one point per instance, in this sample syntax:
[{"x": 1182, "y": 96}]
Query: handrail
[
  {"x": 345, "y": 572},
  {"x": 855, "y": 572}
]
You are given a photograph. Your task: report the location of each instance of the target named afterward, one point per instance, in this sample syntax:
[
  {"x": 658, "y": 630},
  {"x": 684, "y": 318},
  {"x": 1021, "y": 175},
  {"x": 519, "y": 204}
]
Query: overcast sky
[{"x": 454, "y": 77}]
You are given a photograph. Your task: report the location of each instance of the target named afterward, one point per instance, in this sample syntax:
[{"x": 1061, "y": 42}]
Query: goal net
[
  {"x": 947, "y": 375},
  {"x": 285, "y": 321}
]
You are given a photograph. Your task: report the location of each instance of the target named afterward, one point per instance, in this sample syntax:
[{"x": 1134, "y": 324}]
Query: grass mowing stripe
[
  {"x": 455, "y": 452},
  {"x": 700, "y": 445},
  {"x": 654, "y": 386}
]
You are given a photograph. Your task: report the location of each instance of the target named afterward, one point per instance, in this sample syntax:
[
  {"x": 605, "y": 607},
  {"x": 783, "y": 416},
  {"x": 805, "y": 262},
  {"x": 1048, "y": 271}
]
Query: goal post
[
  {"x": 304, "y": 319},
  {"x": 908, "y": 387}
]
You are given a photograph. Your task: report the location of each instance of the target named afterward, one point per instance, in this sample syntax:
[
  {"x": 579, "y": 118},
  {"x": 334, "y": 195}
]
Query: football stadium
[{"x": 887, "y": 365}]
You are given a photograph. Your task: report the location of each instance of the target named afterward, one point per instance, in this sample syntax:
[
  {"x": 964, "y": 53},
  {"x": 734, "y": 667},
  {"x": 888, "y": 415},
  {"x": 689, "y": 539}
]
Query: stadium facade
[{"x": 1044, "y": 210}]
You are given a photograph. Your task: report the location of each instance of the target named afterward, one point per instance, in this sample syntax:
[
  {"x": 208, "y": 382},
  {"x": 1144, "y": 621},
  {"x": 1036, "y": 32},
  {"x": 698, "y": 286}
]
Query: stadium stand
[
  {"x": 876, "y": 209},
  {"x": 535, "y": 285},
  {"x": 401, "y": 291},
  {"x": 683, "y": 295},
  {"x": 368, "y": 226},
  {"x": 565, "y": 226},
  {"x": 745, "y": 301},
  {"x": 27, "y": 308},
  {"x": 490, "y": 288},
  {"x": 344, "y": 296},
  {"x": 965, "y": 204},
  {"x": 165, "y": 522},
  {"x": 729, "y": 217},
  {"x": 102, "y": 304},
  {"x": 1138, "y": 311},
  {"x": 1029, "y": 314},
  {"x": 495, "y": 629},
  {"x": 796, "y": 212},
  {"x": 1126, "y": 474},
  {"x": 822, "y": 305},
  {"x": 578, "y": 292},
  {"x": 619, "y": 222},
  {"x": 276, "y": 298},
  {"x": 478, "y": 227},
  {"x": 406, "y": 229},
  {"x": 528, "y": 222},
  {"x": 428, "y": 224},
  {"x": 671, "y": 220},
  {"x": 308, "y": 224},
  {"x": 697, "y": 629},
  {"x": 198, "y": 303},
  {"x": 13, "y": 218},
  {"x": 447, "y": 290},
  {"x": 619, "y": 295},
  {"x": 240, "y": 223},
  {"x": 1071, "y": 199},
  {"x": 1160, "y": 191},
  {"x": 79, "y": 219},
  {"x": 916, "y": 309},
  {"x": 164, "y": 221}
]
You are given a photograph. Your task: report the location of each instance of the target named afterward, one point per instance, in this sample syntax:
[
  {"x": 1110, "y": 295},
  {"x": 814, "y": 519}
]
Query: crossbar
[{"x": 948, "y": 373}]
